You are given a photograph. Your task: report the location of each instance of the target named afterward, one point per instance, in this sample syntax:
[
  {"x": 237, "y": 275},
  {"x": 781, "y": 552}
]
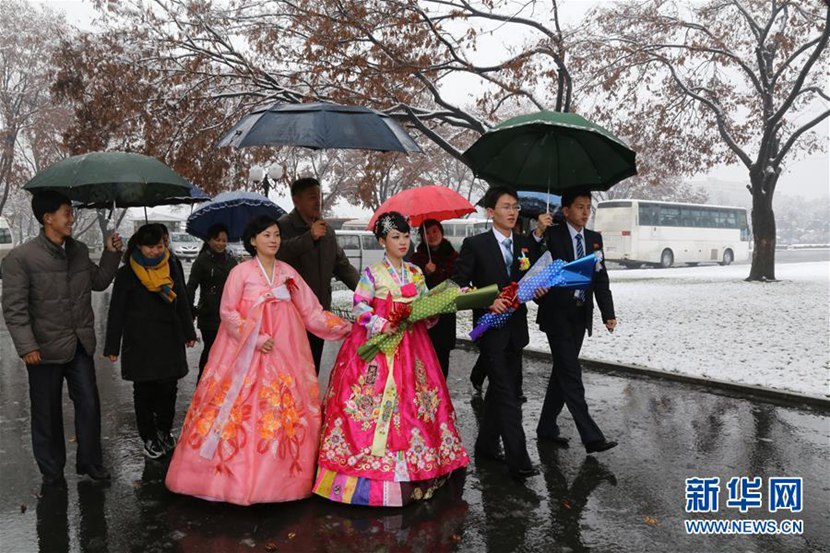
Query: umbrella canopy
[
  {"x": 535, "y": 203},
  {"x": 551, "y": 152},
  {"x": 320, "y": 125},
  {"x": 232, "y": 209},
  {"x": 101, "y": 179},
  {"x": 425, "y": 202},
  {"x": 196, "y": 196}
]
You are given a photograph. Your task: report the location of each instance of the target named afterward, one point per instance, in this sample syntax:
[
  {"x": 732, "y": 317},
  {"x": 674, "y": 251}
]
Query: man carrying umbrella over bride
[{"x": 309, "y": 245}]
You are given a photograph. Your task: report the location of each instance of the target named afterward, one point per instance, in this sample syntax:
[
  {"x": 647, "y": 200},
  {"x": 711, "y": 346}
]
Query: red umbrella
[{"x": 425, "y": 202}]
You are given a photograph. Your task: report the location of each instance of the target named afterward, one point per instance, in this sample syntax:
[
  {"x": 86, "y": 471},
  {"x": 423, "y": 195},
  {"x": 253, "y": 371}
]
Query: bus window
[
  {"x": 371, "y": 243},
  {"x": 348, "y": 241},
  {"x": 669, "y": 216},
  {"x": 649, "y": 214}
]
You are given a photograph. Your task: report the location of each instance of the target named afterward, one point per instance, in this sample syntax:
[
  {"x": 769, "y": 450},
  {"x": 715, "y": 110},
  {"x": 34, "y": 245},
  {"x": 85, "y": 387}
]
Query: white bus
[{"x": 665, "y": 233}]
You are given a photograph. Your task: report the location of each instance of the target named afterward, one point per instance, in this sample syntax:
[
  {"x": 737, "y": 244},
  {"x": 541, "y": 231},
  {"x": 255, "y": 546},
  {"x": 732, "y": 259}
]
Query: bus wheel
[
  {"x": 666, "y": 258},
  {"x": 728, "y": 257}
]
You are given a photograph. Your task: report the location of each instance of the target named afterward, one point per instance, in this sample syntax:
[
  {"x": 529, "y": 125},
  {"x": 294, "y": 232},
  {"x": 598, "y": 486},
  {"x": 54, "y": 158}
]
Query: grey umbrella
[{"x": 320, "y": 125}]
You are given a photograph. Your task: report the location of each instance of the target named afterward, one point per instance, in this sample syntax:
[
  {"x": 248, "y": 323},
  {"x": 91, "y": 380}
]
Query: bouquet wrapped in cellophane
[
  {"x": 447, "y": 297},
  {"x": 545, "y": 273}
]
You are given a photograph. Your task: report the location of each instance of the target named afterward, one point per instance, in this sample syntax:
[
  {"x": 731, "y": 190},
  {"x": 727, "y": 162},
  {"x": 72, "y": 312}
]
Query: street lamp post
[{"x": 267, "y": 179}]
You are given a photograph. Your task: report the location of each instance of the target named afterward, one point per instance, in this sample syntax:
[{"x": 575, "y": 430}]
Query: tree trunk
[{"x": 763, "y": 227}]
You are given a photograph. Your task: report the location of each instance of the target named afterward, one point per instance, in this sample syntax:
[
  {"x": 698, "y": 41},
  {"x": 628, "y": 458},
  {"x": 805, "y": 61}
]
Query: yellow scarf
[{"x": 154, "y": 274}]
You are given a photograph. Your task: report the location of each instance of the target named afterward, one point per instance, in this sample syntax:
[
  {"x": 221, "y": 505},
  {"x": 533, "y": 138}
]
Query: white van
[
  {"x": 6, "y": 242},
  {"x": 360, "y": 246}
]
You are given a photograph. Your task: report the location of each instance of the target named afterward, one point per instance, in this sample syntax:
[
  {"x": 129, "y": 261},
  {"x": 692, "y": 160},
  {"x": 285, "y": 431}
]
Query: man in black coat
[
  {"x": 500, "y": 257},
  {"x": 565, "y": 315}
]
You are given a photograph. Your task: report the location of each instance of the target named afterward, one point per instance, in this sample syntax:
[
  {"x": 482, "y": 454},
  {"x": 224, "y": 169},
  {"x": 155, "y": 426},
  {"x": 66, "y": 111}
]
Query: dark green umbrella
[
  {"x": 104, "y": 179},
  {"x": 551, "y": 152}
]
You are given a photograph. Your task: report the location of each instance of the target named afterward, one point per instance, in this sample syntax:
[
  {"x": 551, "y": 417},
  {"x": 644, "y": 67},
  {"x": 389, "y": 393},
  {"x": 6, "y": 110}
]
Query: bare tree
[
  {"x": 723, "y": 81},
  {"x": 28, "y": 117}
]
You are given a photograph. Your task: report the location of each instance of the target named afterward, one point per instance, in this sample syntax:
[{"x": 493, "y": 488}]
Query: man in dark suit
[
  {"x": 500, "y": 257},
  {"x": 565, "y": 315}
]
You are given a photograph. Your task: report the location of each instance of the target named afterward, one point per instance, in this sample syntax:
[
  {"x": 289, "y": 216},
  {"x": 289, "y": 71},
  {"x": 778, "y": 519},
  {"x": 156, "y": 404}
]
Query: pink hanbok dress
[
  {"x": 253, "y": 427},
  {"x": 389, "y": 434}
]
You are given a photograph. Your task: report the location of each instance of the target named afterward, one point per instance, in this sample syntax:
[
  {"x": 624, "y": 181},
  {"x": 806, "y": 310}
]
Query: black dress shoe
[
  {"x": 96, "y": 472},
  {"x": 558, "y": 441},
  {"x": 497, "y": 456},
  {"x": 521, "y": 474},
  {"x": 602, "y": 445}
]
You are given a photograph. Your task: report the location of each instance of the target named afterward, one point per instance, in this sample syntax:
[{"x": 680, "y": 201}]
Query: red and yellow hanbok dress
[{"x": 389, "y": 434}]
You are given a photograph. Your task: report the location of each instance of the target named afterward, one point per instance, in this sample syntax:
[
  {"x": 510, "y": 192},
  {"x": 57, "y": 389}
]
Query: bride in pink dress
[
  {"x": 252, "y": 429},
  {"x": 389, "y": 435}
]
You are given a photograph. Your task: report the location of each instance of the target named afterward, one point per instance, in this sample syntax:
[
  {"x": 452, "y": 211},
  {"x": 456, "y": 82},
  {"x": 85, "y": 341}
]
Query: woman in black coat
[
  {"x": 209, "y": 273},
  {"x": 437, "y": 265},
  {"x": 149, "y": 325}
]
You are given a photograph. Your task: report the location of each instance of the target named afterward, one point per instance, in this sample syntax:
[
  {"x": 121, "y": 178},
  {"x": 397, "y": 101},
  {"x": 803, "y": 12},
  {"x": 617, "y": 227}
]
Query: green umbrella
[
  {"x": 104, "y": 179},
  {"x": 551, "y": 152}
]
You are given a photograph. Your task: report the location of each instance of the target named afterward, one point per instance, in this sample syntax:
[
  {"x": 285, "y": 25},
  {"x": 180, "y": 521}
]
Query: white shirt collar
[
  {"x": 500, "y": 237},
  {"x": 574, "y": 232}
]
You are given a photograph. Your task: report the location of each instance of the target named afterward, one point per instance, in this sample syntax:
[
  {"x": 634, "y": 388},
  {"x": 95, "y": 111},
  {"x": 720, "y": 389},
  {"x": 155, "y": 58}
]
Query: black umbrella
[{"x": 320, "y": 125}]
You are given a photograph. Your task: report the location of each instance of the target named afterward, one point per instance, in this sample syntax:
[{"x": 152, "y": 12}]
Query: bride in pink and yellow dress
[
  {"x": 389, "y": 434},
  {"x": 252, "y": 429}
]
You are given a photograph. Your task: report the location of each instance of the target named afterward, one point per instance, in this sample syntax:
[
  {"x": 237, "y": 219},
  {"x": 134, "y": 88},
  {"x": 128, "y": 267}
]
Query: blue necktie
[
  {"x": 507, "y": 243},
  {"x": 580, "y": 253}
]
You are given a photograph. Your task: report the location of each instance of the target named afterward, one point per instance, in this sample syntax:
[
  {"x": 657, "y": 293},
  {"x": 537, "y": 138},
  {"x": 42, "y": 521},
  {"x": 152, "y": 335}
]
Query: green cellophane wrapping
[{"x": 444, "y": 298}]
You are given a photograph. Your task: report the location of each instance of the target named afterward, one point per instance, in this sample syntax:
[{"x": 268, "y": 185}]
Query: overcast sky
[{"x": 809, "y": 177}]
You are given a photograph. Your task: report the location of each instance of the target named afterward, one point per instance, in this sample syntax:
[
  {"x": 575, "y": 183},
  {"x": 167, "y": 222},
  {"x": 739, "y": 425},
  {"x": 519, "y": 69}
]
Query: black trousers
[
  {"x": 565, "y": 387},
  {"x": 479, "y": 373},
  {"x": 502, "y": 409},
  {"x": 208, "y": 337},
  {"x": 443, "y": 355},
  {"x": 155, "y": 406},
  {"x": 46, "y": 397},
  {"x": 316, "y": 344}
]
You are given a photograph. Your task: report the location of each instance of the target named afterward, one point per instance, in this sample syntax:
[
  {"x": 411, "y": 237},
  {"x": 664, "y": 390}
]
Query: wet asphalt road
[{"x": 628, "y": 499}]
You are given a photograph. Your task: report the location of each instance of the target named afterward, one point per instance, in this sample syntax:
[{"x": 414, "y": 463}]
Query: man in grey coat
[
  {"x": 310, "y": 246},
  {"x": 47, "y": 304}
]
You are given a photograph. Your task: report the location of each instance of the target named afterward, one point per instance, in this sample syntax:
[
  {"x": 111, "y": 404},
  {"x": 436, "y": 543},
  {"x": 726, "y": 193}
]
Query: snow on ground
[{"x": 707, "y": 322}]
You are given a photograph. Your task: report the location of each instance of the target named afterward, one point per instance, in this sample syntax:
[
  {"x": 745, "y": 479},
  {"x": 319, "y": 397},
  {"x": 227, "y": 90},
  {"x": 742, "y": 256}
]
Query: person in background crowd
[
  {"x": 208, "y": 274},
  {"x": 149, "y": 325},
  {"x": 436, "y": 258}
]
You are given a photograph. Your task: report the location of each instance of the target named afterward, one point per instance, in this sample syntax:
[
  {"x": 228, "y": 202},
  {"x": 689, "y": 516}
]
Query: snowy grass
[{"x": 707, "y": 322}]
